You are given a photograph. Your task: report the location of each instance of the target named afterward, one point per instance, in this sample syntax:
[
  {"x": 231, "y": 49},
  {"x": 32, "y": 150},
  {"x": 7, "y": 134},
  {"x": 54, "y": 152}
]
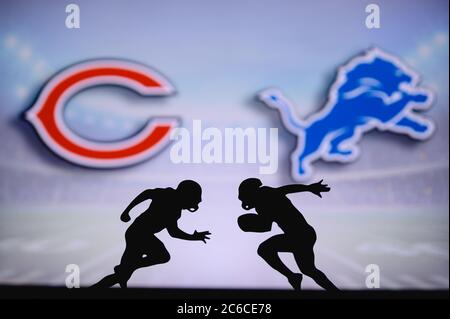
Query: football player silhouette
[{"x": 143, "y": 248}]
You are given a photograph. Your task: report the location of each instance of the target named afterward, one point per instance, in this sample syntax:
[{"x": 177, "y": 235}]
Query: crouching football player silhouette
[
  {"x": 272, "y": 205},
  {"x": 143, "y": 248}
]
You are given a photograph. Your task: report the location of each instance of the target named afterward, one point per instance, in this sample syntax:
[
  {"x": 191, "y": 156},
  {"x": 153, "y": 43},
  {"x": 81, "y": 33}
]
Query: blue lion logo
[{"x": 373, "y": 91}]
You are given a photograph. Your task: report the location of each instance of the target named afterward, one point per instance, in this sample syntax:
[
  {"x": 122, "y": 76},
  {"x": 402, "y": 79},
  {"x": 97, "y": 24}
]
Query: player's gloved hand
[
  {"x": 125, "y": 217},
  {"x": 203, "y": 236},
  {"x": 318, "y": 188}
]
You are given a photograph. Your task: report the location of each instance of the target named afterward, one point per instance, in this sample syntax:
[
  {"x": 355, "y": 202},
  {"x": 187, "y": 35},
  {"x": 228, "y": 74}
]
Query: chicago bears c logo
[
  {"x": 372, "y": 91},
  {"x": 46, "y": 115}
]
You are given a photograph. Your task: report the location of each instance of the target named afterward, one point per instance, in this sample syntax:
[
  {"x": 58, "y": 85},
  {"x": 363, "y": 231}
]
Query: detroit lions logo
[{"x": 372, "y": 91}]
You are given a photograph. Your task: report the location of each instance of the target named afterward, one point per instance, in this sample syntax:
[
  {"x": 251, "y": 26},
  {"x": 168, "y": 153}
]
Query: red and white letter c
[{"x": 46, "y": 115}]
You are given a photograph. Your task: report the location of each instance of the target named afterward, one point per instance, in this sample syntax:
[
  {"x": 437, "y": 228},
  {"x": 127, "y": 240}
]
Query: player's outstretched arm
[
  {"x": 315, "y": 188},
  {"x": 176, "y": 232},
  {"x": 293, "y": 188},
  {"x": 145, "y": 195}
]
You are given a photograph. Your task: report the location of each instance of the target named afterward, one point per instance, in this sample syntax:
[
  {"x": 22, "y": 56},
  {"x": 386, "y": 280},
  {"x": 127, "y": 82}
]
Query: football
[{"x": 249, "y": 222}]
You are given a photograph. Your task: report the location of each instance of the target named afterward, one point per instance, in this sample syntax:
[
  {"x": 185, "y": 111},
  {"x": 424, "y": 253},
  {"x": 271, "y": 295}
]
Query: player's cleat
[{"x": 119, "y": 273}]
